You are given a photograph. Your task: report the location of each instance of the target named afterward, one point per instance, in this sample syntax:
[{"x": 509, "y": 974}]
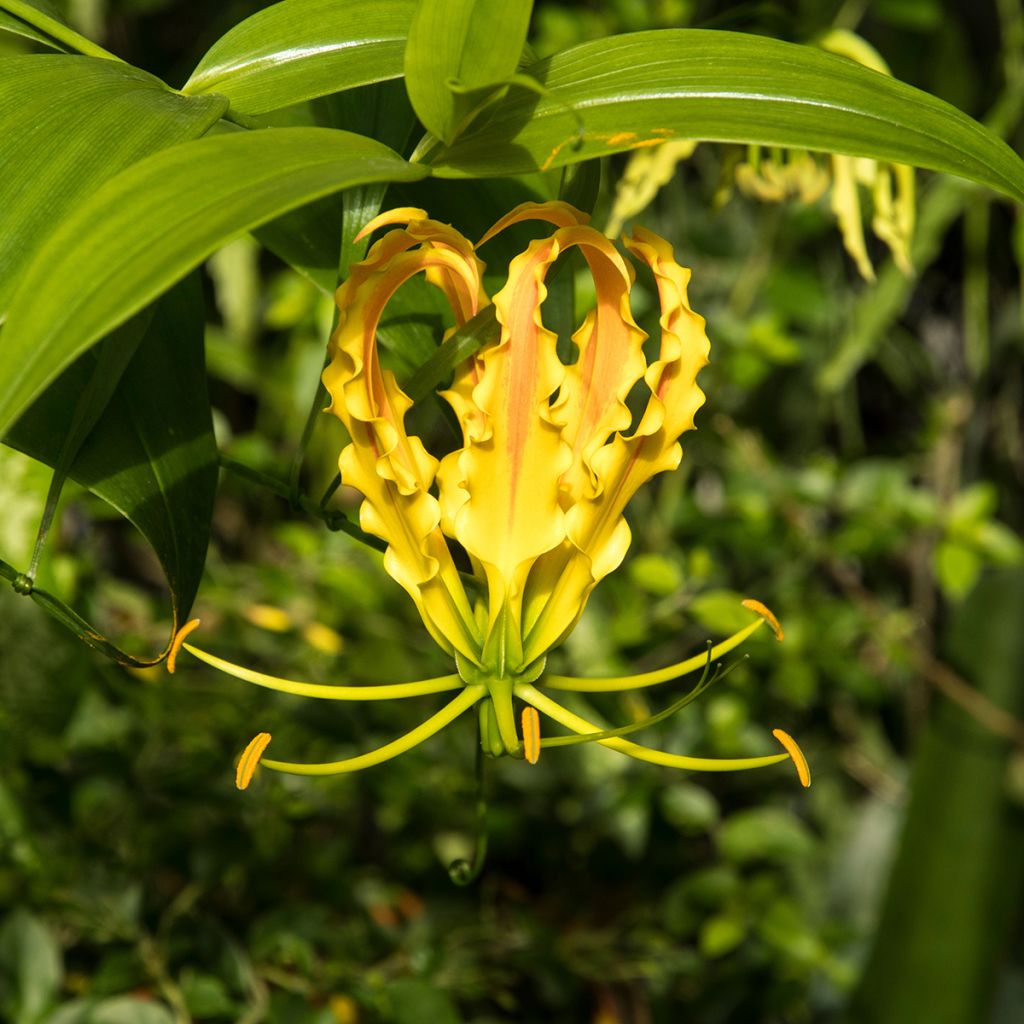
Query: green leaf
[
  {"x": 55, "y": 153},
  {"x": 147, "y": 227},
  {"x": 642, "y": 88},
  {"x": 458, "y": 52},
  {"x": 126, "y": 1010},
  {"x": 151, "y": 455},
  {"x": 17, "y": 27},
  {"x": 45, "y": 19},
  {"x": 299, "y": 49},
  {"x": 947, "y": 922},
  {"x": 30, "y": 956},
  {"x": 413, "y": 1001}
]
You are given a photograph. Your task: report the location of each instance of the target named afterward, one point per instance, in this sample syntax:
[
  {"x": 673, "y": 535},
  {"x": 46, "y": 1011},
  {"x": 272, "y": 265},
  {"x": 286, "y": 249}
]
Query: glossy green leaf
[
  {"x": 642, "y": 88},
  {"x": 146, "y": 228},
  {"x": 299, "y": 49},
  {"x": 55, "y": 153},
  {"x": 459, "y": 50},
  {"x": 310, "y": 238},
  {"x": 151, "y": 454}
]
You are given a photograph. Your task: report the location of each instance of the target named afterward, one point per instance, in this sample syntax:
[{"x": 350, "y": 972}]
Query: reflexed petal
[
  {"x": 595, "y": 525},
  {"x": 846, "y": 207},
  {"x": 562, "y": 215},
  {"x": 391, "y": 468},
  {"x": 501, "y": 490}
]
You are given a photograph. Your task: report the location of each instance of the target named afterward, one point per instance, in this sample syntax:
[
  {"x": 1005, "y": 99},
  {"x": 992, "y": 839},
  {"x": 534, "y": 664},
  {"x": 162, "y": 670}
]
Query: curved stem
[
  {"x": 465, "y": 700},
  {"x": 56, "y": 30},
  {"x": 463, "y": 872},
  {"x": 324, "y": 691},
  {"x": 661, "y": 675},
  {"x": 530, "y": 694}
]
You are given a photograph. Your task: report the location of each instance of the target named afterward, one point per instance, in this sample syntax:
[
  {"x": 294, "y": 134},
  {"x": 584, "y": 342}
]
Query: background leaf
[
  {"x": 946, "y": 920},
  {"x": 67, "y": 124},
  {"x": 151, "y": 455},
  {"x": 31, "y": 958},
  {"x": 472, "y": 45},
  {"x": 643, "y": 88},
  {"x": 299, "y": 49},
  {"x": 153, "y": 223}
]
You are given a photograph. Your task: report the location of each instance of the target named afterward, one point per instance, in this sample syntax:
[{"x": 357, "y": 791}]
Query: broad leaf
[
  {"x": 299, "y": 49},
  {"x": 67, "y": 124},
  {"x": 146, "y": 228},
  {"x": 643, "y": 88},
  {"x": 310, "y": 238},
  {"x": 151, "y": 454},
  {"x": 458, "y": 51}
]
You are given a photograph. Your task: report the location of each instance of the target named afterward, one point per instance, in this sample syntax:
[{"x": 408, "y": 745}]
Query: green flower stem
[
  {"x": 389, "y": 691},
  {"x": 55, "y": 30},
  {"x": 465, "y": 700},
  {"x": 500, "y": 691},
  {"x": 555, "y": 711},
  {"x": 661, "y": 675},
  {"x": 333, "y": 519}
]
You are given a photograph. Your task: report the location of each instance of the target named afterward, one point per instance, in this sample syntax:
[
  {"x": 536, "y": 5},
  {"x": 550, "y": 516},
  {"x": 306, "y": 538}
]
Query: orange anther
[
  {"x": 179, "y": 639},
  {"x": 802, "y": 768},
  {"x": 531, "y": 734},
  {"x": 250, "y": 759},
  {"x": 767, "y": 614}
]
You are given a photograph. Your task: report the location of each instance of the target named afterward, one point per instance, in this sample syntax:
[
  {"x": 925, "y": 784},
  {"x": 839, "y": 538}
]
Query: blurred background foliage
[{"x": 858, "y": 466}]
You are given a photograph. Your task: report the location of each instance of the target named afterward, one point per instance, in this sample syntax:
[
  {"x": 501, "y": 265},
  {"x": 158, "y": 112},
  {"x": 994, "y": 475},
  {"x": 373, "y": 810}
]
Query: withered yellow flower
[{"x": 550, "y": 455}]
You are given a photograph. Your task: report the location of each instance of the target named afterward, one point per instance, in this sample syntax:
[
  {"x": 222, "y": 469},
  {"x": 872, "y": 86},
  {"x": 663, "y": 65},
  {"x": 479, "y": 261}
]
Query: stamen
[
  {"x": 531, "y": 734},
  {"x": 179, "y": 639},
  {"x": 794, "y": 751},
  {"x": 662, "y": 675},
  {"x": 250, "y": 759},
  {"x": 324, "y": 691},
  {"x": 465, "y": 700},
  {"x": 564, "y": 716},
  {"x": 768, "y": 615}
]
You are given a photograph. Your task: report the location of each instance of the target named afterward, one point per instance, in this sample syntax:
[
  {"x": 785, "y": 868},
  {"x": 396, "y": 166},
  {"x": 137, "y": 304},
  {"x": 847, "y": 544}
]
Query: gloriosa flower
[
  {"x": 775, "y": 175},
  {"x": 550, "y": 455}
]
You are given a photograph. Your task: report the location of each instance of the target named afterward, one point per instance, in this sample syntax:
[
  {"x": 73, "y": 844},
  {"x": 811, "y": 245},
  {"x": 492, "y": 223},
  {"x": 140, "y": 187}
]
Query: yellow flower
[
  {"x": 550, "y": 455},
  {"x": 778, "y": 176}
]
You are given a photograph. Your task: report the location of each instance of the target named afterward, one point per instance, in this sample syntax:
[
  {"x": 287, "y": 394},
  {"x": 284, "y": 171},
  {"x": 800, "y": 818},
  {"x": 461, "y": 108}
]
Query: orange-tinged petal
[
  {"x": 508, "y": 512},
  {"x": 562, "y": 215},
  {"x": 390, "y": 467},
  {"x": 595, "y": 525},
  {"x": 592, "y": 400}
]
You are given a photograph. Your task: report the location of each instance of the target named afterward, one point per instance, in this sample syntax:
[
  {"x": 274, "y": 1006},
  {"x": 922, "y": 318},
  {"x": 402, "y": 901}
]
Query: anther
[
  {"x": 250, "y": 759},
  {"x": 802, "y": 768},
  {"x": 179, "y": 639},
  {"x": 531, "y": 734},
  {"x": 767, "y": 614}
]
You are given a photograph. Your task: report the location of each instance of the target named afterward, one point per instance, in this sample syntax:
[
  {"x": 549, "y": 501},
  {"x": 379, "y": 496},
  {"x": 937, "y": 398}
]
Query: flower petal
[
  {"x": 501, "y": 488},
  {"x": 595, "y": 525},
  {"x": 391, "y": 468}
]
